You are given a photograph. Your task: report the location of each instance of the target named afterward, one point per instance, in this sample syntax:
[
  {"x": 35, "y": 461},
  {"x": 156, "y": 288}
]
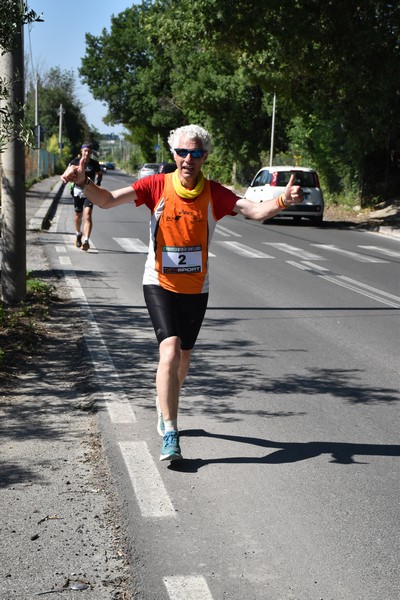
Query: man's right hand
[{"x": 75, "y": 174}]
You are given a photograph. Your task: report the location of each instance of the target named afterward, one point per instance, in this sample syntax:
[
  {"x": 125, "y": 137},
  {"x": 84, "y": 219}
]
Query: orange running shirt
[{"x": 180, "y": 232}]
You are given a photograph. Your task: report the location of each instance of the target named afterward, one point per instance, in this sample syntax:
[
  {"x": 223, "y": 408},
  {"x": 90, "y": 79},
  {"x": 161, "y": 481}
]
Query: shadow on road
[{"x": 285, "y": 452}]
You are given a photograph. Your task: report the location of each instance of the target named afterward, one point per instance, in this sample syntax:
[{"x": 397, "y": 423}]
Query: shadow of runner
[{"x": 286, "y": 452}]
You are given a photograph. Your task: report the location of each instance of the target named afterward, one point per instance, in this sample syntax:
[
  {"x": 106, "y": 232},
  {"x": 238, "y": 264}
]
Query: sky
[{"x": 60, "y": 42}]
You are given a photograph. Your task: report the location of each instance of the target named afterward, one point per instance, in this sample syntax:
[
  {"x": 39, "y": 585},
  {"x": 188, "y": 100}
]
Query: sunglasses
[{"x": 182, "y": 152}]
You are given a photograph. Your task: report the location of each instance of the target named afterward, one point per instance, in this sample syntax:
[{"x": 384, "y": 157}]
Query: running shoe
[
  {"x": 85, "y": 246},
  {"x": 78, "y": 240},
  {"x": 170, "y": 449},
  {"x": 160, "y": 420}
]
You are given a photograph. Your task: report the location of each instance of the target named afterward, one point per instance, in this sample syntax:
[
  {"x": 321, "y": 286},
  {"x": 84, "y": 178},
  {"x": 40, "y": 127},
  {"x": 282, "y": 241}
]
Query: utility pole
[
  {"x": 61, "y": 112},
  {"x": 13, "y": 235},
  {"x": 271, "y": 152},
  {"x": 37, "y": 126}
]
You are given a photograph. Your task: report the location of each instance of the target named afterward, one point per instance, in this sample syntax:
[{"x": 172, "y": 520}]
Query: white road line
[
  {"x": 65, "y": 260},
  {"x": 133, "y": 245},
  {"x": 225, "y": 231},
  {"x": 314, "y": 267},
  {"x": 305, "y": 265},
  {"x": 118, "y": 406},
  {"x": 301, "y": 266},
  {"x": 370, "y": 288},
  {"x": 61, "y": 249},
  {"x": 298, "y": 252},
  {"x": 150, "y": 492},
  {"x": 246, "y": 251},
  {"x": 350, "y": 284},
  {"x": 355, "y": 255},
  {"x": 358, "y": 290},
  {"x": 386, "y": 251},
  {"x": 187, "y": 588}
]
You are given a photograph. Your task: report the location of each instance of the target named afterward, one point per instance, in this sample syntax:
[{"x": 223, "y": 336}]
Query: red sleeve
[
  {"x": 149, "y": 190},
  {"x": 223, "y": 200}
]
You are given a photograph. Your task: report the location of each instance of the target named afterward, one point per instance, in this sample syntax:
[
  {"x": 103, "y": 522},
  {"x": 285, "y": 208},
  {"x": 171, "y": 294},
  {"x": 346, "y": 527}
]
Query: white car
[
  {"x": 148, "y": 169},
  {"x": 270, "y": 182}
]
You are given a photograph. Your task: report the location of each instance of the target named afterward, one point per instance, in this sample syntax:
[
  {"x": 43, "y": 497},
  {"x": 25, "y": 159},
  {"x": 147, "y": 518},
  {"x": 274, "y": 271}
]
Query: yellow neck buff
[{"x": 182, "y": 191}]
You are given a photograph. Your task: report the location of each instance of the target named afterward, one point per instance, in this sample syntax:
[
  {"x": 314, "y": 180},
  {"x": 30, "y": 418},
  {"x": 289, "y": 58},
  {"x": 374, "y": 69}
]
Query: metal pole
[
  {"x": 60, "y": 112},
  {"x": 37, "y": 126},
  {"x": 271, "y": 152},
  {"x": 13, "y": 265}
]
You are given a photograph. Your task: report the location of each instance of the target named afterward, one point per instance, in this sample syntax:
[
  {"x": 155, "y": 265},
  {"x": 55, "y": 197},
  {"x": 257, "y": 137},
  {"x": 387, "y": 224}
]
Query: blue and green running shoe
[{"x": 170, "y": 449}]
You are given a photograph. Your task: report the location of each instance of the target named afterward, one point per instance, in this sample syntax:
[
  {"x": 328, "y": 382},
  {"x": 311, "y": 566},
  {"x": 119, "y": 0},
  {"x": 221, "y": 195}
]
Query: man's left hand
[{"x": 293, "y": 194}]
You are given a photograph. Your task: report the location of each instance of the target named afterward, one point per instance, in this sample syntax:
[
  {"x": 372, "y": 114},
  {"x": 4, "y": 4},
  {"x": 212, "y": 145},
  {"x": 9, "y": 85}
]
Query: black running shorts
[
  {"x": 81, "y": 202},
  {"x": 175, "y": 314}
]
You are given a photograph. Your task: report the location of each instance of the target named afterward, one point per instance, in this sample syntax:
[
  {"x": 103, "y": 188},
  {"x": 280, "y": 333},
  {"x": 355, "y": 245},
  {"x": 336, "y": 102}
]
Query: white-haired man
[{"x": 185, "y": 207}]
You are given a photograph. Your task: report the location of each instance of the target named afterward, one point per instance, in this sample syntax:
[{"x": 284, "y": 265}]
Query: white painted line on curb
[
  {"x": 150, "y": 492},
  {"x": 187, "y": 588}
]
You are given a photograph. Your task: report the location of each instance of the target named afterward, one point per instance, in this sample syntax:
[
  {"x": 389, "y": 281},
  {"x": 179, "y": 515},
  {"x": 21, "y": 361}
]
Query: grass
[{"x": 22, "y": 327}]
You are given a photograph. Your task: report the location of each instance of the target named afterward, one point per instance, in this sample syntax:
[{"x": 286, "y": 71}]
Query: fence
[{"x": 39, "y": 163}]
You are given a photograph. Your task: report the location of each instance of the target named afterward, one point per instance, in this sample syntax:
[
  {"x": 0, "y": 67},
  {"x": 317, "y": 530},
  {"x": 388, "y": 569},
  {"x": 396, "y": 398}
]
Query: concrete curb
[
  {"x": 389, "y": 231},
  {"x": 41, "y": 219}
]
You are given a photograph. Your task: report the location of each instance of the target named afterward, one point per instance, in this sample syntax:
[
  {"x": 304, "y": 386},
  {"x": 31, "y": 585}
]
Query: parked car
[
  {"x": 110, "y": 166},
  {"x": 148, "y": 169},
  {"x": 167, "y": 168},
  {"x": 270, "y": 182}
]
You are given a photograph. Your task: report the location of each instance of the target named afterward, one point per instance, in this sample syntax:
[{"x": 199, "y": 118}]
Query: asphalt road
[{"x": 289, "y": 486}]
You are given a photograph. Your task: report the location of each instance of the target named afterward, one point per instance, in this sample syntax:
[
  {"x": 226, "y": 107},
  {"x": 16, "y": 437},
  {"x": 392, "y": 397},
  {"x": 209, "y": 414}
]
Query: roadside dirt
[
  {"x": 61, "y": 527},
  {"x": 384, "y": 214}
]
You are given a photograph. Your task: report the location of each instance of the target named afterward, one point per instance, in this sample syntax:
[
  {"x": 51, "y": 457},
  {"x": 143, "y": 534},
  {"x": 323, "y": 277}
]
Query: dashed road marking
[
  {"x": 132, "y": 245},
  {"x": 244, "y": 250},
  {"x": 355, "y": 255},
  {"x": 187, "y": 588},
  {"x": 386, "y": 251},
  {"x": 225, "y": 231},
  {"x": 298, "y": 252},
  {"x": 150, "y": 492}
]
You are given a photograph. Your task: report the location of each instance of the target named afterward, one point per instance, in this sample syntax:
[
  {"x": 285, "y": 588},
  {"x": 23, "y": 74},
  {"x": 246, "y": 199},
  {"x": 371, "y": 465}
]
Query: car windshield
[
  {"x": 302, "y": 178},
  {"x": 262, "y": 178}
]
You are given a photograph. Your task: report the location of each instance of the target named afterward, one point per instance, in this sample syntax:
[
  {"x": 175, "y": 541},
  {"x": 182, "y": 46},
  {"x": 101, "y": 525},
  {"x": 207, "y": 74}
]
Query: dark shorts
[
  {"x": 81, "y": 202},
  {"x": 174, "y": 314}
]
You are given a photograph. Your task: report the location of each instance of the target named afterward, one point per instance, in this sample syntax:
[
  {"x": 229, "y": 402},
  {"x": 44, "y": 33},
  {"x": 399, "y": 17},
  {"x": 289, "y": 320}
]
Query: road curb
[{"x": 41, "y": 219}]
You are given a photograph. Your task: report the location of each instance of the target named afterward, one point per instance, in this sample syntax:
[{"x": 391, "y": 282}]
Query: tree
[
  {"x": 334, "y": 66},
  {"x": 123, "y": 69},
  {"x": 12, "y": 17},
  {"x": 13, "y": 267},
  {"x": 57, "y": 87}
]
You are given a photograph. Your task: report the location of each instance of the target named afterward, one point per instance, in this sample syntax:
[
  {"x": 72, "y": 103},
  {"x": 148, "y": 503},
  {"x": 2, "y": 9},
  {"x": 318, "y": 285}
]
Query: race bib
[{"x": 177, "y": 260}]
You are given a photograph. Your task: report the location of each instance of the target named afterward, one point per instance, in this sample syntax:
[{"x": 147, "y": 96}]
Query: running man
[{"x": 184, "y": 207}]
